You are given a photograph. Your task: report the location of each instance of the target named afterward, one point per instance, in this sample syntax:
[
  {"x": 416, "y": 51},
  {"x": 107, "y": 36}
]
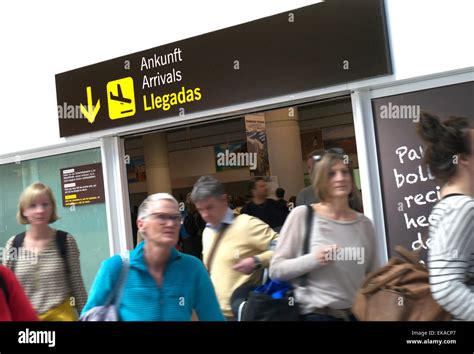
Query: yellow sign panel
[
  {"x": 121, "y": 98},
  {"x": 71, "y": 196}
]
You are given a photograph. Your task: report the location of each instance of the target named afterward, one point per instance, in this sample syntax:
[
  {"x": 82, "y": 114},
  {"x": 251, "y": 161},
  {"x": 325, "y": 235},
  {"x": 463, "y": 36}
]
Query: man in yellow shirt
[{"x": 235, "y": 249}]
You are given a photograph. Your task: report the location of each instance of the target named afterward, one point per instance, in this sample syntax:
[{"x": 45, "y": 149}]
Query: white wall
[
  {"x": 430, "y": 36},
  {"x": 43, "y": 38}
]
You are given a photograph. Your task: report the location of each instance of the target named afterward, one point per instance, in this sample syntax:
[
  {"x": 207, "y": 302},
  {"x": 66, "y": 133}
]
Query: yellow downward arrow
[{"x": 91, "y": 112}]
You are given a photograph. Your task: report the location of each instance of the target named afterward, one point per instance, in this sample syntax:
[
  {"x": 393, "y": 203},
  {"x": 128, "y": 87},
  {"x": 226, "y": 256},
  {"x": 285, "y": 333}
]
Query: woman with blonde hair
[
  {"x": 341, "y": 244},
  {"x": 46, "y": 260}
]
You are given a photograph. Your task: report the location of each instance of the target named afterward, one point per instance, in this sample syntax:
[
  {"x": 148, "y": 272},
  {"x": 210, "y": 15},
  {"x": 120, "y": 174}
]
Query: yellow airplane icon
[{"x": 121, "y": 98}]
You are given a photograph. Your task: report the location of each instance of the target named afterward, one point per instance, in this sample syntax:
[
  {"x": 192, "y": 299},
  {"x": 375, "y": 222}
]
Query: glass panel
[{"x": 87, "y": 223}]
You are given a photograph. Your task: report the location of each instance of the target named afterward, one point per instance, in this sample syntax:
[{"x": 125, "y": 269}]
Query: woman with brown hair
[
  {"x": 342, "y": 247},
  {"x": 46, "y": 260},
  {"x": 450, "y": 157}
]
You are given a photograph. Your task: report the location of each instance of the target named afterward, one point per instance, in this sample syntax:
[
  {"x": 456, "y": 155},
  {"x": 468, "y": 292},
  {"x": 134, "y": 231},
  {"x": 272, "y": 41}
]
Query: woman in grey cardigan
[{"x": 342, "y": 245}]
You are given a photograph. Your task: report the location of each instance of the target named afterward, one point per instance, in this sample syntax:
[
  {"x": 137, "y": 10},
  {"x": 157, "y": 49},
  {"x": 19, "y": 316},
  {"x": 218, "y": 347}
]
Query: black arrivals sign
[{"x": 327, "y": 43}]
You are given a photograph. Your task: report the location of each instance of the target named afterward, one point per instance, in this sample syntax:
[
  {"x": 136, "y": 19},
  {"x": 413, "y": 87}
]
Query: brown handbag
[{"x": 399, "y": 291}]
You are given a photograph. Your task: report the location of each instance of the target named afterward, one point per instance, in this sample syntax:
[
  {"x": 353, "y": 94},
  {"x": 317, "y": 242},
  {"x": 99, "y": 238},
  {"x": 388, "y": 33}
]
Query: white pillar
[
  {"x": 155, "y": 149},
  {"x": 284, "y": 149},
  {"x": 116, "y": 200}
]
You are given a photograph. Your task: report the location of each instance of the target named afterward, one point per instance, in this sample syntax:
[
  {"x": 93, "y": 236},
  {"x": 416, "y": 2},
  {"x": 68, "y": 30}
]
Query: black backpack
[
  {"x": 61, "y": 243},
  {"x": 3, "y": 287}
]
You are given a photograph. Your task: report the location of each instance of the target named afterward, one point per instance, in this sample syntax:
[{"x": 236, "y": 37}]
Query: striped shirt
[
  {"x": 44, "y": 277},
  {"x": 451, "y": 256}
]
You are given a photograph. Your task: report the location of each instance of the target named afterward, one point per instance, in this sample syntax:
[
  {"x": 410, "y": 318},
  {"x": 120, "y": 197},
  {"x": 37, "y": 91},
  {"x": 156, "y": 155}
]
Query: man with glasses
[{"x": 235, "y": 249}]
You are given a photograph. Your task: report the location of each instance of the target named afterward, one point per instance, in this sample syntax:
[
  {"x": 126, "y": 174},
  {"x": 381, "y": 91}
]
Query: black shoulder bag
[{"x": 275, "y": 301}]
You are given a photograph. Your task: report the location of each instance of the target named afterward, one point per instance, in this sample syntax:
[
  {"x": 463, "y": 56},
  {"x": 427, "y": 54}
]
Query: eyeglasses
[
  {"x": 335, "y": 151},
  {"x": 163, "y": 218}
]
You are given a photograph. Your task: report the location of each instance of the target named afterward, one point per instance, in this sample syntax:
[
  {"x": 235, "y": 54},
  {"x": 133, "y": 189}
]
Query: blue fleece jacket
[{"x": 186, "y": 286}]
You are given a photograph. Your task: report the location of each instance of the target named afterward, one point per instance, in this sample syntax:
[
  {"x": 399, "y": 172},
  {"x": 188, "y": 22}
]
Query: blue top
[{"x": 186, "y": 286}]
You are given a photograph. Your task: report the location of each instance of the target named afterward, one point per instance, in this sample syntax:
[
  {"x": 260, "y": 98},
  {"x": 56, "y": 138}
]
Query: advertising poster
[
  {"x": 257, "y": 143},
  {"x": 311, "y": 141},
  {"x": 231, "y": 156},
  {"x": 136, "y": 171},
  {"x": 409, "y": 190}
]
